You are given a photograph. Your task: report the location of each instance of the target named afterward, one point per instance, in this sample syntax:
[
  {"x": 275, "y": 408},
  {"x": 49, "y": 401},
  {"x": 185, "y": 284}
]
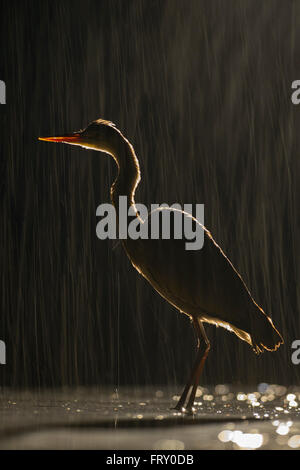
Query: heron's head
[{"x": 99, "y": 135}]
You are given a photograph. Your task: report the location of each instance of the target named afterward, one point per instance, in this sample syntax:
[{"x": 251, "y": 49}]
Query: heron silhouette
[{"x": 202, "y": 284}]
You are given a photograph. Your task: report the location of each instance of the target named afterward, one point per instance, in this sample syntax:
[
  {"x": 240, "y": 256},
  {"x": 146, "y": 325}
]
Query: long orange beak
[{"x": 63, "y": 138}]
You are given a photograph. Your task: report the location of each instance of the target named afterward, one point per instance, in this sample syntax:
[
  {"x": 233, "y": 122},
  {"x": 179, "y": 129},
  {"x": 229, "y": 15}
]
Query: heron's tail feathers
[{"x": 266, "y": 335}]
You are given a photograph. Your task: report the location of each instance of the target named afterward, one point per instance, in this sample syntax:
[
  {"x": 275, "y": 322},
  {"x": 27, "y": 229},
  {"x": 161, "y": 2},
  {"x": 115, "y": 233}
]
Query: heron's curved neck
[{"x": 128, "y": 176}]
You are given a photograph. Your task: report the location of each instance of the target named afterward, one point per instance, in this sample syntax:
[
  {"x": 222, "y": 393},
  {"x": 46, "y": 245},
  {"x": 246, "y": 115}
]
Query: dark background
[{"x": 202, "y": 90}]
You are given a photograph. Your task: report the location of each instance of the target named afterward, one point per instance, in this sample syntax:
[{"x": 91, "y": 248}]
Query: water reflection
[{"x": 226, "y": 417}]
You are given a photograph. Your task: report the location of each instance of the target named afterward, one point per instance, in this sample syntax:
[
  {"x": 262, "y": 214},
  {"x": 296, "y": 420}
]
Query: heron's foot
[
  {"x": 177, "y": 408},
  {"x": 179, "y": 405},
  {"x": 189, "y": 410}
]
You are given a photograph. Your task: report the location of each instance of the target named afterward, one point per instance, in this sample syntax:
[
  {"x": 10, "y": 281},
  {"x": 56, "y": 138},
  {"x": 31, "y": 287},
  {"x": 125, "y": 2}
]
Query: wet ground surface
[{"x": 226, "y": 417}]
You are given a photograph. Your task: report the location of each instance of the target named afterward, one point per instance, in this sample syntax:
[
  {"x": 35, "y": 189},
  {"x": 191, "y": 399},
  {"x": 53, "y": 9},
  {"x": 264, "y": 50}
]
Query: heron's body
[
  {"x": 203, "y": 284},
  {"x": 209, "y": 289}
]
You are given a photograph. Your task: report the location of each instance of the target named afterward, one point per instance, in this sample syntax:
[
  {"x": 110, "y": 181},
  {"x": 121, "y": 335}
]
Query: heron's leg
[
  {"x": 190, "y": 382},
  {"x": 199, "y": 355},
  {"x": 200, "y": 365}
]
